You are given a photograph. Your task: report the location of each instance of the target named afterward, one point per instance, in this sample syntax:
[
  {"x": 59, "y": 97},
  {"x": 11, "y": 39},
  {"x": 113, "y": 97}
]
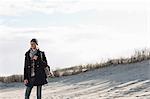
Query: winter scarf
[{"x": 32, "y": 53}]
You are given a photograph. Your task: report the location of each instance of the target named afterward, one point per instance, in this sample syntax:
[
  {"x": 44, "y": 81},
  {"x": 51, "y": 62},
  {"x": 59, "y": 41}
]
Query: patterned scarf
[{"x": 32, "y": 53}]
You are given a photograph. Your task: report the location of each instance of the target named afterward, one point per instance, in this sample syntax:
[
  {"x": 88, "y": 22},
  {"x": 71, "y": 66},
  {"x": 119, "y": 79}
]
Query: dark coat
[{"x": 40, "y": 76}]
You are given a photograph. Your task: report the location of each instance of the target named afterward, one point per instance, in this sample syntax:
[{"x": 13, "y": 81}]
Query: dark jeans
[{"x": 29, "y": 89}]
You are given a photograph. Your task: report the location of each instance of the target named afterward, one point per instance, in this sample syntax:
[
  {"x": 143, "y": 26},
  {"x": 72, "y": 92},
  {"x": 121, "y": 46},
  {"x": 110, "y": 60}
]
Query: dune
[{"x": 124, "y": 81}]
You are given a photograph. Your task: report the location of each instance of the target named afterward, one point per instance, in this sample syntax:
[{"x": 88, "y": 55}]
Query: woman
[{"x": 34, "y": 74}]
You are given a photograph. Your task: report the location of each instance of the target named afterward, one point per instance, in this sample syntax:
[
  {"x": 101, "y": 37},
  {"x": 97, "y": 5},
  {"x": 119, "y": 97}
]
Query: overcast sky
[{"x": 71, "y": 32}]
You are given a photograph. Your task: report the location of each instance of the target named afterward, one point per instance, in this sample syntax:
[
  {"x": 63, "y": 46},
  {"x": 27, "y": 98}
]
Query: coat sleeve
[
  {"x": 25, "y": 68},
  {"x": 44, "y": 57},
  {"x": 44, "y": 60}
]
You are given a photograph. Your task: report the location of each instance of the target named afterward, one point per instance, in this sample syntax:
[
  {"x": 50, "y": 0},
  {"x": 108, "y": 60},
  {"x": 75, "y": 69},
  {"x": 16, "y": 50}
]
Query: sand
[{"x": 130, "y": 81}]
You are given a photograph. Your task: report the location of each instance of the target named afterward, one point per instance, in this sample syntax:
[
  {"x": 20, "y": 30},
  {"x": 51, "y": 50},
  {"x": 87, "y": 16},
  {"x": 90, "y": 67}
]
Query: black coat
[{"x": 40, "y": 76}]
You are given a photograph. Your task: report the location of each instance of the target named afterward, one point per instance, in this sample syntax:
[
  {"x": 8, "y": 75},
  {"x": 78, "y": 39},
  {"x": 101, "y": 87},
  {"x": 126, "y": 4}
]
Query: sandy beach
[{"x": 130, "y": 81}]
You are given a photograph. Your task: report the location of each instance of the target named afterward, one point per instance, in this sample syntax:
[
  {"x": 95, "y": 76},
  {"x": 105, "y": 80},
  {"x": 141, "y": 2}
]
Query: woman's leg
[
  {"x": 28, "y": 92},
  {"x": 39, "y": 91}
]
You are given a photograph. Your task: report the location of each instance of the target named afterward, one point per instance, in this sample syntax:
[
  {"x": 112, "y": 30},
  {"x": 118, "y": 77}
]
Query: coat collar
[{"x": 38, "y": 50}]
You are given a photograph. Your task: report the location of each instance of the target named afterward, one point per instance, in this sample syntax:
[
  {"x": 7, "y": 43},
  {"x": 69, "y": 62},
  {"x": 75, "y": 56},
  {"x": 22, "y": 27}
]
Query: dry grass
[
  {"x": 138, "y": 56},
  {"x": 12, "y": 78}
]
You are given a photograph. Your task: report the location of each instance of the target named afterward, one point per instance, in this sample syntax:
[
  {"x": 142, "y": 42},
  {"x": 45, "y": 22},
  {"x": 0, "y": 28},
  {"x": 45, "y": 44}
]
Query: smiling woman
[{"x": 34, "y": 74}]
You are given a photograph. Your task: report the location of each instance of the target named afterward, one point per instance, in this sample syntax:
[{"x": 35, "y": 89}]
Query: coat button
[
  {"x": 37, "y": 65},
  {"x": 28, "y": 66}
]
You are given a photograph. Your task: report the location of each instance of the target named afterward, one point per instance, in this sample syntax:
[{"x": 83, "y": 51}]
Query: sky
[{"x": 71, "y": 32}]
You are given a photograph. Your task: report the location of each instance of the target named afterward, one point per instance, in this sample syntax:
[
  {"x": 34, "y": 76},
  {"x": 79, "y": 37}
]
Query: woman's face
[{"x": 33, "y": 45}]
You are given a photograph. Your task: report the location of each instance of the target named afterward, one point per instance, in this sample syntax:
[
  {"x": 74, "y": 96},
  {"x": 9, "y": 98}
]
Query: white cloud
[{"x": 21, "y": 7}]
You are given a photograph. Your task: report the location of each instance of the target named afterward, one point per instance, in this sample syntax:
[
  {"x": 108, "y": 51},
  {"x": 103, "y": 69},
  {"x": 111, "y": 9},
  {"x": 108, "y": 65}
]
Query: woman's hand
[
  {"x": 52, "y": 74},
  {"x": 25, "y": 81}
]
